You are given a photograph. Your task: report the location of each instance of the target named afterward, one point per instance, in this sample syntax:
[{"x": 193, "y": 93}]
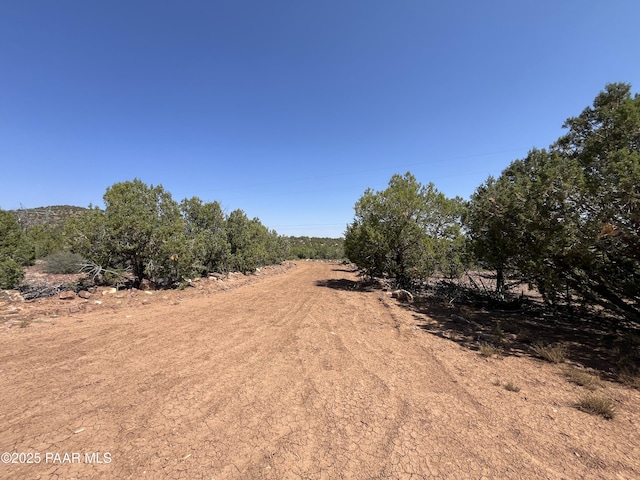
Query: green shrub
[
  {"x": 10, "y": 273},
  {"x": 63, "y": 262}
]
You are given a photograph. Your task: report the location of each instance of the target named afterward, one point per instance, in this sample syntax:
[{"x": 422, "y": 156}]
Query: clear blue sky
[{"x": 290, "y": 109}]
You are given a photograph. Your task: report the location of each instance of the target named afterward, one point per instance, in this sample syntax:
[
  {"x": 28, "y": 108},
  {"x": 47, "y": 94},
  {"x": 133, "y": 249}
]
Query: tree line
[
  {"x": 144, "y": 233},
  {"x": 565, "y": 219}
]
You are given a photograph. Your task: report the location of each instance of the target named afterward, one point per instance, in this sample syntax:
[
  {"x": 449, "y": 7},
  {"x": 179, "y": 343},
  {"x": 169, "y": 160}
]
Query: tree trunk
[{"x": 500, "y": 281}]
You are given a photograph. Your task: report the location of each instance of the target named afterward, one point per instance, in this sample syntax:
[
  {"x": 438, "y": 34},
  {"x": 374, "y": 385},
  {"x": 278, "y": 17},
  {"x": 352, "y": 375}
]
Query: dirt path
[{"x": 293, "y": 376}]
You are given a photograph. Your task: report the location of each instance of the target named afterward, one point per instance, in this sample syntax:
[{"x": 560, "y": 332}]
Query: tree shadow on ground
[
  {"x": 344, "y": 284},
  {"x": 589, "y": 339},
  {"x": 347, "y": 270},
  {"x": 514, "y": 327}
]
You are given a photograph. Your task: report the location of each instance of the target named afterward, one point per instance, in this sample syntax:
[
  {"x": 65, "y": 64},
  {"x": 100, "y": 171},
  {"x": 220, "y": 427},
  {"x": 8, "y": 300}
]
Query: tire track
[{"x": 293, "y": 376}]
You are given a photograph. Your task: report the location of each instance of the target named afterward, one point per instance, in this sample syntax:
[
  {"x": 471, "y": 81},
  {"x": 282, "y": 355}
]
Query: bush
[
  {"x": 63, "y": 263},
  {"x": 10, "y": 273},
  {"x": 551, "y": 353},
  {"x": 408, "y": 231},
  {"x": 582, "y": 378},
  {"x": 597, "y": 405},
  {"x": 488, "y": 350},
  {"x": 630, "y": 377},
  {"x": 511, "y": 387}
]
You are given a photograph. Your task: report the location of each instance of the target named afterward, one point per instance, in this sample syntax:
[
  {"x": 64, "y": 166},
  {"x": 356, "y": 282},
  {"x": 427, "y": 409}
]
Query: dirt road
[{"x": 293, "y": 376}]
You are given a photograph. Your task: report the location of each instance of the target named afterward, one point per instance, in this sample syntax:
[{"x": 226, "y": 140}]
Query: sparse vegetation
[
  {"x": 53, "y": 216},
  {"x": 316, "y": 248},
  {"x": 488, "y": 350},
  {"x": 597, "y": 405},
  {"x": 63, "y": 263},
  {"x": 582, "y": 378},
  {"x": 630, "y": 378},
  {"x": 511, "y": 387},
  {"x": 525, "y": 335},
  {"x": 552, "y": 353},
  {"x": 498, "y": 335}
]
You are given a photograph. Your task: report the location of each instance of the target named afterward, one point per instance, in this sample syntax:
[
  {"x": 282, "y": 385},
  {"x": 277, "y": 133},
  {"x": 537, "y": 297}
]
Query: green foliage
[
  {"x": 408, "y": 231},
  {"x": 206, "y": 231},
  {"x": 14, "y": 243},
  {"x": 488, "y": 220},
  {"x": 319, "y": 248},
  {"x": 251, "y": 244},
  {"x": 16, "y": 250},
  {"x": 46, "y": 239},
  {"x": 10, "y": 273},
  {"x": 144, "y": 231},
  {"x": 567, "y": 219},
  {"x": 87, "y": 235},
  {"x": 141, "y": 229},
  {"x": 63, "y": 262}
]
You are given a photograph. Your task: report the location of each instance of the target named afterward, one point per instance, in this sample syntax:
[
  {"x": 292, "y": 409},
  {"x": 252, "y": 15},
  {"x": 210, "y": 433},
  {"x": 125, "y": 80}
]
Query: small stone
[
  {"x": 84, "y": 294},
  {"x": 11, "y": 296},
  {"x": 402, "y": 295},
  {"x": 67, "y": 295}
]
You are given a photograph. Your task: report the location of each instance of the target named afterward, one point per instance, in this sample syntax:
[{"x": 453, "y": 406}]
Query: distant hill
[{"x": 54, "y": 215}]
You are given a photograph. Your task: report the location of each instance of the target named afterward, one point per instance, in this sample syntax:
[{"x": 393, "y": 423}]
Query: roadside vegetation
[
  {"x": 142, "y": 234},
  {"x": 563, "y": 222}
]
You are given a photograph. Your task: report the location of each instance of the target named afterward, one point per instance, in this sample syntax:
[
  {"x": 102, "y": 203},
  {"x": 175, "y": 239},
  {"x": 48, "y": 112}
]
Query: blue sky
[{"x": 290, "y": 109}]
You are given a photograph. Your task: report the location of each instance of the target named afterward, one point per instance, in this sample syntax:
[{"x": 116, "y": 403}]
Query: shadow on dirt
[
  {"x": 515, "y": 327},
  {"x": 515, "y": 332},
  {"x": 344, "y": 284},
  {"x": 347, "y": 270}
]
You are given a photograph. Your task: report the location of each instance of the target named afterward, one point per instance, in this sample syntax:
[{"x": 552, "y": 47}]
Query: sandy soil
[{"x": 291, "y": 375}]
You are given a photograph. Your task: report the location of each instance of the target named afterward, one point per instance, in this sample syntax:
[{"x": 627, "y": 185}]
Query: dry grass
[
  {"x": 488, "y": 350},
  {"x": 597, "y": 405},
  {"x": 582, "y": 378},
  {"x": 630, "y": 378},
  {"x": 510, "y": 386},
  {"x": 552, "y": 353},
  {"x": 525, "y": 335}
]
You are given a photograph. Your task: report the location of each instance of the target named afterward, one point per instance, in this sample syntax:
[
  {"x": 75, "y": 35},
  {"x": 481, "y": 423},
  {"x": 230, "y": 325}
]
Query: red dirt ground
[{"x": 291, "y": 375}]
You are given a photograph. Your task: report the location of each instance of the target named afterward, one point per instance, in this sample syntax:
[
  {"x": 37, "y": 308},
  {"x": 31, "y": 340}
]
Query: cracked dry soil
[{"x": 292, "y": 376}]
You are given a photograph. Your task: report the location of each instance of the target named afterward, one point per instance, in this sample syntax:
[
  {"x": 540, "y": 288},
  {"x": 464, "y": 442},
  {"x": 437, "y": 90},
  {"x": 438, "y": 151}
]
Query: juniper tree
[{"x": 408, "y": 231}]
